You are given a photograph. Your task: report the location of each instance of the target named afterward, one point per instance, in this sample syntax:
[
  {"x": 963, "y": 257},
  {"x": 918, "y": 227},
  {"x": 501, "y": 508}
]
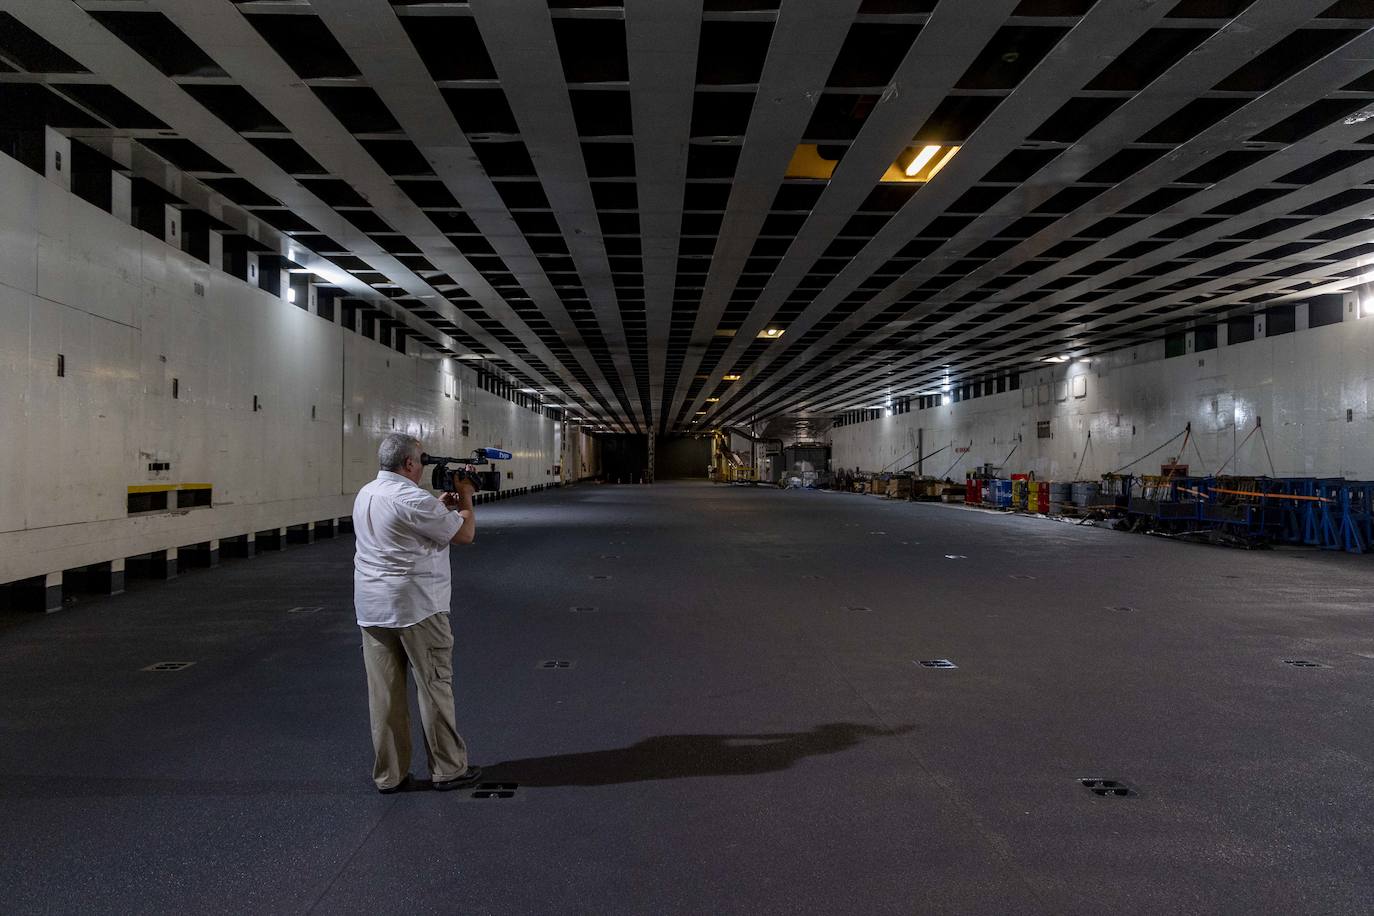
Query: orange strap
[{"x": 1314, "y": 499}]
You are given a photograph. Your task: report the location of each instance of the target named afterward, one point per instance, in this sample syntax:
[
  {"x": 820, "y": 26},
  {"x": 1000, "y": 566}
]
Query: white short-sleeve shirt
[{"x": 400, "y": 567}]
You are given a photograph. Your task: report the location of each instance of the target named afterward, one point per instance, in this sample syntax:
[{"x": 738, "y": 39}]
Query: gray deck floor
[{"x": 744, "y": 730}]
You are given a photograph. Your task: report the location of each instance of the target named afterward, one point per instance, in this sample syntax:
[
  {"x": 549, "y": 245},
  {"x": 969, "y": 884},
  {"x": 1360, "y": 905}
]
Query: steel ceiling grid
[
  {"x": 938, "y": 56},
  {"x": 1072, "y": 263},
  {"x": 661, "y": 49},
  {"x": 1279, "y": 164},
  {"x": 1117, "y": 270},
  {"x": 373, "y": 35},
  {"x": 805, "y": 42},
  {"x": 1111, "y": 39},
  {"x": 258, "y": 68},
  {"x": 323, "y": 217},
  {"x": 836, "y": 393},
  {"x": 520, "y": 41},
  {"x": 68, "y": 25},
  {"x": 1108, "y": 28},
  {"x": 1162, "y": 172}
]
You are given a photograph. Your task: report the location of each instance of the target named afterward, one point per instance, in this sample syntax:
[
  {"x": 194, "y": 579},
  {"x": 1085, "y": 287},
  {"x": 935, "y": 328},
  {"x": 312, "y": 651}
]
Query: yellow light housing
[
  {"x": 712, "y": 400},
  {"x": 770, "y": 333},
  {"x": 731, "y": 377}
]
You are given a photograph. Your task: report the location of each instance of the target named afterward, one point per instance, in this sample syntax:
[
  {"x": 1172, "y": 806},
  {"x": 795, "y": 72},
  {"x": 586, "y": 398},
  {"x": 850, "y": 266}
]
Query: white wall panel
[
  {"x": 1300, "y": 384},
  {"x": 121, "y": 306}
]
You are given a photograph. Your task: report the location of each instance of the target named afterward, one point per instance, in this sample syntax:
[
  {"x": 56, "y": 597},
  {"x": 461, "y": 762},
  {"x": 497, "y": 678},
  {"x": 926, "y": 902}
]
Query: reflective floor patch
[
  {"x": 1023, "y": 577},
  {"x": 495, "y": 790},
  {"x": 305, "y": 610},
  {"x": 599, "y": 576},
  {"x": 937, "y": 663},
  {"x": 955, "y": 556},
  {"x": 1120, "y": 607},
  {"x": 582, "y": 609},
  {"x": 167, "y": 666},
  {"x": 857, "y": 607},
  {"x": 1303, "y": 663},
  {"x": 553, "y": 664}
]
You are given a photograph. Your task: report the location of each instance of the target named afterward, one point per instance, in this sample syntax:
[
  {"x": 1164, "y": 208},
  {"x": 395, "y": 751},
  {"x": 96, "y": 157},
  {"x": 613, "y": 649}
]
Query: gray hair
[{"x": 395, "y": 449}]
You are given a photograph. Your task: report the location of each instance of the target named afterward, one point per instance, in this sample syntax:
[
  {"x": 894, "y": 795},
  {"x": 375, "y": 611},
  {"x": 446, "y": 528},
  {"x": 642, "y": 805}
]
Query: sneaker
[{"x": 469, "y": 779}]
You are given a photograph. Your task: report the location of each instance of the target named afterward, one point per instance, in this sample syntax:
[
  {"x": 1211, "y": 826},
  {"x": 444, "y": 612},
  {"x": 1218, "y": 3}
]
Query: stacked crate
[{"x": 1061, "y": 495}]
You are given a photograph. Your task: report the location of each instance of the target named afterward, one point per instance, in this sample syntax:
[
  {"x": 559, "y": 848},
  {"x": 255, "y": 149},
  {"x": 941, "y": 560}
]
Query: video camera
[{"x": 446, "y": 479}]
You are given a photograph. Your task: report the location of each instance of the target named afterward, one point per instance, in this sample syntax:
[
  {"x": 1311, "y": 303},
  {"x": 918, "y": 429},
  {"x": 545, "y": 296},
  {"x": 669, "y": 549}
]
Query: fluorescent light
[
  {"x": 731, "y": 377},
  {"x": 770, "y": 333},
  {"x": 934, "y": 169},
  {"x": 712, "y": 400},
  {"x": 919, "y": 161},
  {"x": 1055, "y": 359}
]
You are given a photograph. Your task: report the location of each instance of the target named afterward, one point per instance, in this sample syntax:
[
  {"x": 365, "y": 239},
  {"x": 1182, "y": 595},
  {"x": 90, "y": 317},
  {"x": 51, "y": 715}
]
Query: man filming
[{"x": 401, "y": 592}]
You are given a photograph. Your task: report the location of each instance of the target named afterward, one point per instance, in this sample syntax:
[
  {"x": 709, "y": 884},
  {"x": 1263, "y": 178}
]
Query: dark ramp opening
[{"x": 682, "y": 457}]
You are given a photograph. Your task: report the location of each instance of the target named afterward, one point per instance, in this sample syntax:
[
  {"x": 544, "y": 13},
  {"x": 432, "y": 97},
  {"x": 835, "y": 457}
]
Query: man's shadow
[{"x": 681, "y": 756}]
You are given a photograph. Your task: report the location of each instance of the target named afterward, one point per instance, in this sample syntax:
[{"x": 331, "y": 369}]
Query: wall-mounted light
[{"x": 290, "y": 294}]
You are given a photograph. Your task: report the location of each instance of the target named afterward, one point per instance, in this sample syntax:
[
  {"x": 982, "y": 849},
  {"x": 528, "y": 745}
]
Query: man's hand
[{"x": 460, "y": 499}]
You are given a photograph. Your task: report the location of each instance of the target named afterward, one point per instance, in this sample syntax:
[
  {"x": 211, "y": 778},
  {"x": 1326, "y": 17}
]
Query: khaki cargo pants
[{"x": 427, "y": 647}]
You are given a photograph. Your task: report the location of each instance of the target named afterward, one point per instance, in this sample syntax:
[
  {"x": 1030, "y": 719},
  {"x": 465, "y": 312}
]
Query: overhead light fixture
[
  {"x": 732, "y": 377},
  {"x": 1055, "y": 359},
  {"x": 770, "y": 333},
  {"x": 915, "y": 161},
  {"x": 701, "y": 413},
  {"x": 712, "y": 400},
  {"x": 920, "y": 163}
]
